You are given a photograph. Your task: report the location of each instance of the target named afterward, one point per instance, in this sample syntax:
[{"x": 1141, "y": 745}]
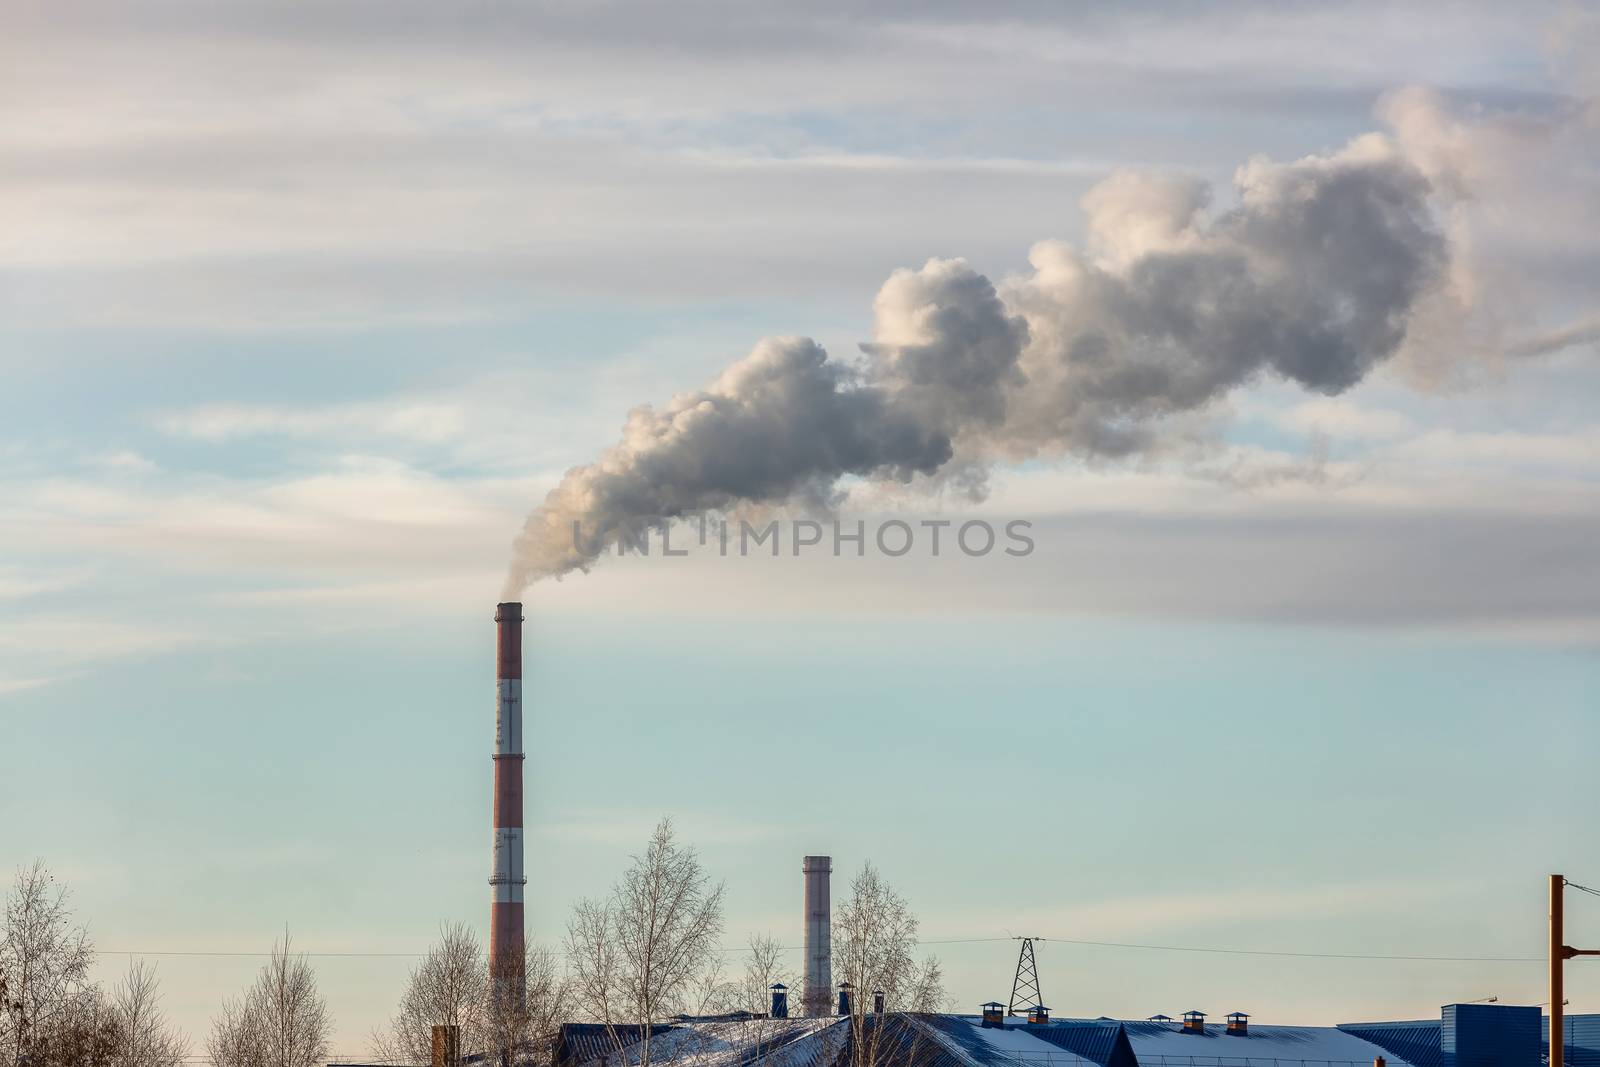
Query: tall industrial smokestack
[
  {"x": 505, "y": 913},
  {"x": 818, "y": 996}
]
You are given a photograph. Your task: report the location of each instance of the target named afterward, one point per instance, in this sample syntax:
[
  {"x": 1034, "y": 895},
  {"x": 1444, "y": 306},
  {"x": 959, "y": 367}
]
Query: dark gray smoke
[{"x": 1312, "y": 277}]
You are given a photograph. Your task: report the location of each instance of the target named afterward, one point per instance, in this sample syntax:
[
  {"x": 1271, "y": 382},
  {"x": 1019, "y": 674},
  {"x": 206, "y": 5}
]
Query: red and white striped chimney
[{"x": 505, "y": 913}]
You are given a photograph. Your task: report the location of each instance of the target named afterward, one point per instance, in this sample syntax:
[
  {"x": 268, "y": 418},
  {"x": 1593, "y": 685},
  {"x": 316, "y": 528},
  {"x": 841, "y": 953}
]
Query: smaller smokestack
[
  {"x": 845, "y": 998},
  {"x": 818, "y": 871},
  {"x": 780, "y": 1000}
]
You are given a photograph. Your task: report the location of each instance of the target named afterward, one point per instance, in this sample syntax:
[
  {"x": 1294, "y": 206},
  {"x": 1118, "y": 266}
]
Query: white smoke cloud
[{"x": 1311, "y": 277}]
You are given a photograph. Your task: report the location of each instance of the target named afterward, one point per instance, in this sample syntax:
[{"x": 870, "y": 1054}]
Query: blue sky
[{"x": 303, "y": 311}]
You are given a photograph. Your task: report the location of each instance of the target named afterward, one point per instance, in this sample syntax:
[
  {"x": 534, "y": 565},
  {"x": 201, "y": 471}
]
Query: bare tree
[
  {"x": 280, "y": 1021},
  {"x": 527, "y": 1024},
  {"x": 449, "y": 988},
  {"x": 874, "y": 935},
  {"x": 763, "y": 967},
  {"x": 147, "y": 1038},
  {"x": 87, "y": 1034},
  {"x": 45, "y": 960},
  {"x": 236, "y": 1039},
  {"x": 637, "y": 956}
]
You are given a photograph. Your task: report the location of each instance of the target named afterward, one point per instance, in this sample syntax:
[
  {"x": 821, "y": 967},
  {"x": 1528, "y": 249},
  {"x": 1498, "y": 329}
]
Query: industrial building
[{"x": 1465, "y": 1035}]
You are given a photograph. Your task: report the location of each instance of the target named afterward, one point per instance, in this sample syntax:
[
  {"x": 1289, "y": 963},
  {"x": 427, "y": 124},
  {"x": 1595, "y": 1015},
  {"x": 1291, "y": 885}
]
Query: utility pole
[
  {"x": 1560, "y": 953},
  {"x": 1026, "y": 983},
  {"x": 1558, "y": 1035}
]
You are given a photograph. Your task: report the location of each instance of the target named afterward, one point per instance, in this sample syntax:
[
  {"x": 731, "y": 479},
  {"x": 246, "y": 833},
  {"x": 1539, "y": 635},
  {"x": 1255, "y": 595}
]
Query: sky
[{"x": 305, "y": 307}]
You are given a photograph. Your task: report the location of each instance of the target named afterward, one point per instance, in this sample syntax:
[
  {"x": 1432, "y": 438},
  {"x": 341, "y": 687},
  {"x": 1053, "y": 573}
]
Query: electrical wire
[
  {"x": 1284, "y": 953},
  {"x": 1129, "y": 945}
]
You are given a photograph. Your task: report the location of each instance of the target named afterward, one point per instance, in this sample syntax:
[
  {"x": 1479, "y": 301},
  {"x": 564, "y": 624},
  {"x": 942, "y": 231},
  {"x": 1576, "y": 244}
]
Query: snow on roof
[
  {"x": 1168, "y": 1045},
  {"x": 731, "y": 1042},
  {"x": 964, "y": 1042}
]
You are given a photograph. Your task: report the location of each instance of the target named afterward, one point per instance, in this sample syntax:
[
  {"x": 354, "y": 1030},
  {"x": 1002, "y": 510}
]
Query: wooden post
[{"x": 1558, "y": 1036}]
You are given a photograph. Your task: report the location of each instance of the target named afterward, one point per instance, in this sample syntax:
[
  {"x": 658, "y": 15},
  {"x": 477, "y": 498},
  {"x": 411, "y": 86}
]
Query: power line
[{"x": 1128, "y": 945}]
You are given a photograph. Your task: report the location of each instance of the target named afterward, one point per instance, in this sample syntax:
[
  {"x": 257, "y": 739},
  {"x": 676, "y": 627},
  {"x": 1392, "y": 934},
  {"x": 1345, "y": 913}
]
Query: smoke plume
[{"x": 1311, "y": 277}]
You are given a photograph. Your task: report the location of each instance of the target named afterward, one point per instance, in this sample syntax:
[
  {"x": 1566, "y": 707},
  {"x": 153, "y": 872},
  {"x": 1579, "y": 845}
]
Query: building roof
[
  {"x": 1159, "y": 1044},
  {"x": 1416, "y": 1041},
  {"x": 963, "y": 1041}
]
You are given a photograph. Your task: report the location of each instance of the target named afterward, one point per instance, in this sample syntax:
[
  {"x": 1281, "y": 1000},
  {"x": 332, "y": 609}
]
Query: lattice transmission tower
[{"x": 1025, "y": 988}]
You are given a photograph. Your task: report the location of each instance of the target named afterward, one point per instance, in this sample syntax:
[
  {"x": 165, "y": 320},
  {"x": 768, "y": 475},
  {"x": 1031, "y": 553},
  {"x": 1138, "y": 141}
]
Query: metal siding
[
  {"x": 1582, "y": 1039},
  {"x": 1489, "y": 1035}
]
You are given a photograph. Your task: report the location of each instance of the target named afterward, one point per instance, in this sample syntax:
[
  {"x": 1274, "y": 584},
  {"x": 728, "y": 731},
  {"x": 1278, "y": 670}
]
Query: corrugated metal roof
[
  {"x": 961, "y": 1041},
  {"x": 1102, "y": 1043},
  {"x": 1416, "y": 1042},
  {"x": 1169, "y": 1045}
]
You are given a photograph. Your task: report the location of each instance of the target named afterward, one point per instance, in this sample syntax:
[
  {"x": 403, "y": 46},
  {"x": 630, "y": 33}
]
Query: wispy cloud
[{"x": 427, "y": 422}]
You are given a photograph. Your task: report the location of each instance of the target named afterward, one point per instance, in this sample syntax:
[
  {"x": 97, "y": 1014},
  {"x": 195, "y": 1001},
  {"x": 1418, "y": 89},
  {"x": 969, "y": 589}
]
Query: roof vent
[
  {"x": 1160, "y": 1019},
  {"x": 1194, "y": 1022},
  {"x": 877, "y": 1001},
  {"x": 1238, "y": 1023},
  {"x": 1038, "y": 1015},
  {"x": 994, "y": 1015},
  {"x": 780, "y": 1000},
  {"x": 845, "y": 997}
]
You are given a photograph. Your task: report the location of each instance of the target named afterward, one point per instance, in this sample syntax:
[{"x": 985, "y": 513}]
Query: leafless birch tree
[
  {"x": 280, "y": 1021},
  {"x": 147, "y": 1038},
  {"x": 44, "y": 964},
  {"x": 637, "y": 955},
  {"x": 528, "y": 1027},
  {"x": 874, "y": 936},
  {"x": 450, "y": 987},
  {"x": 763, "y": 967}
]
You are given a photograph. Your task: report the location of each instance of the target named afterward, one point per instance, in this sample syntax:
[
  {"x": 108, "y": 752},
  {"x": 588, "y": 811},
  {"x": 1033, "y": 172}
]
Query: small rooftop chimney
[
  {"x": 845, "y": 998},
  {"x": 1038, "y": 1015},
  {"x": 780, "y": 1000},
  {"x": 994, "y": 1015},
  {"x": 1194, "y": 1022},
  {"x": 1238, "y": 1023},
  {"x": 877, "y": 1001}
]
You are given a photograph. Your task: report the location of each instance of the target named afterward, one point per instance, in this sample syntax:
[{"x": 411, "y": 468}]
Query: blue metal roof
[
  {"x": 1415, "y": 1042},
  {"x": 1103, "y": 1043},
  {"x": 588, "y": 1042}
]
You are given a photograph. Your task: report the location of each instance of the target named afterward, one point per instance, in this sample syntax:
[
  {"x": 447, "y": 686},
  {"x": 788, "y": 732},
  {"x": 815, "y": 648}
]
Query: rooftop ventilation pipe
[
  {"x": 846, "y": 998},
  {"x": 780, "y": 1000},
  {"x": 877, "y": 1001}
]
